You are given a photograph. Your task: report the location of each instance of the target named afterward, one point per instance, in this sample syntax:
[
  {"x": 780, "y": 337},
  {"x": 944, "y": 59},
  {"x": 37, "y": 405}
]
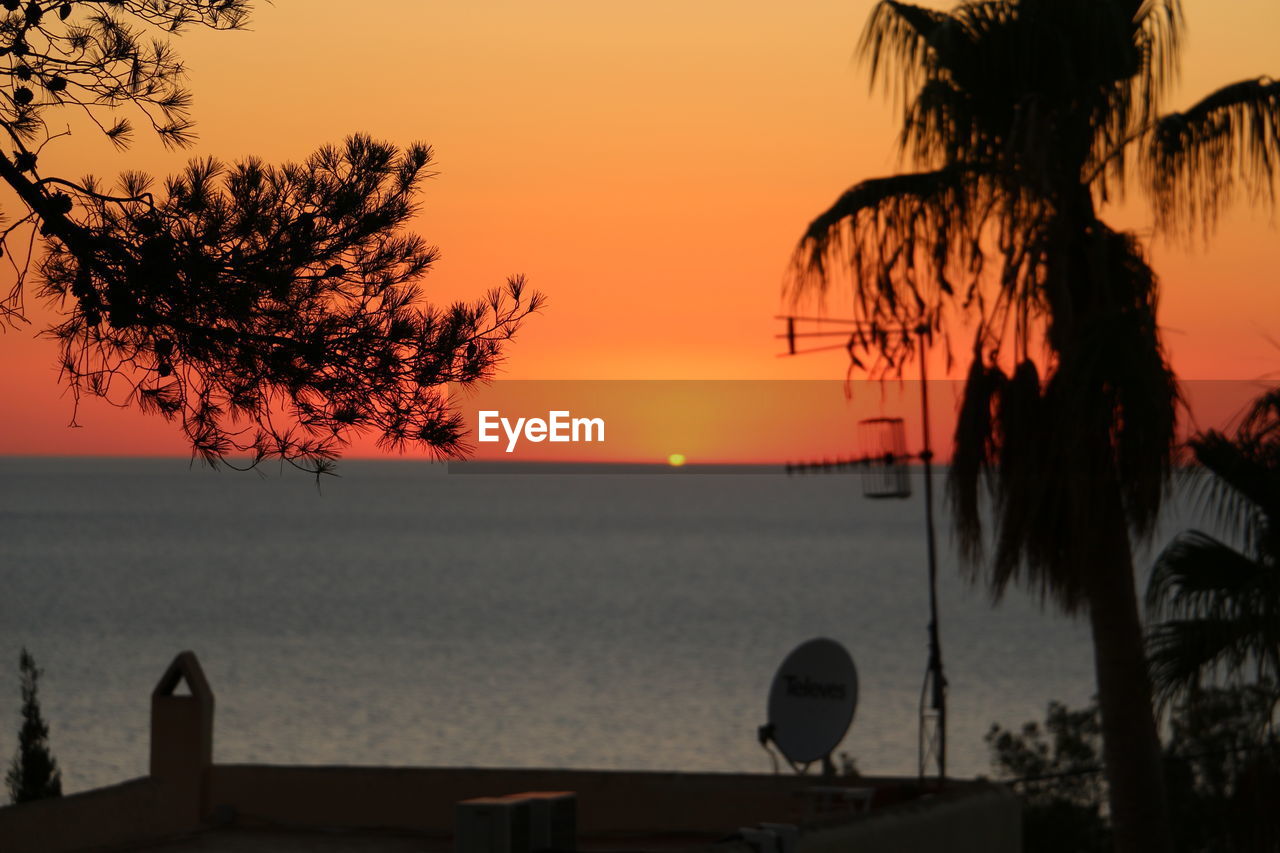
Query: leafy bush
[
  {"x": 1223, "y": 770},
  {"x": 1056, "y": 768},
  {"x": 1222, "y": 775}
]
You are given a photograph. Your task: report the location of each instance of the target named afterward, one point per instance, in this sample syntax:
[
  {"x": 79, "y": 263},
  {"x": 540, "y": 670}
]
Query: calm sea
[{"x": 400, "y": 615}]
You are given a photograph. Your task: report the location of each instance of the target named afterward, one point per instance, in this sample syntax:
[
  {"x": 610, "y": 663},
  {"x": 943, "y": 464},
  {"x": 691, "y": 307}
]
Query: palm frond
[
  {"x": 1136, "y": 64},
  {"x": 909, "y": 244},
  {"x": 1127, "y": 361},
  {"x": 1159, "y": 36},
  {"x": 1024, "y": 509},
  {"x": 1198, "y": 574},
  {"x": 1221, "y": 602},
  {"x": 946, "y": 124},
  {"x": 1183, "y": 653},
  {"x": 1238, "y": 486},
  {"x": 901, "y": 34},
  {"x": 974, "y": 452},
  {"x": 1199, "y": 159},
  {"x": 891, "y": 237},
  {"x": 1104, "y": 410},
  {"x": 1261, "y": 424}
]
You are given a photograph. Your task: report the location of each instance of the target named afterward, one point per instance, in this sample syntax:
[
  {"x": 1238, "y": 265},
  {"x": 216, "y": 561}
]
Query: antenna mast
[{"x": 933, "y": 693}]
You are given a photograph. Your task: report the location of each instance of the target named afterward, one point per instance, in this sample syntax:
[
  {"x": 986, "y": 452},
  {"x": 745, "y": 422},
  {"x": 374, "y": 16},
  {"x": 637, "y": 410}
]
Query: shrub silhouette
[{"x": 33, "y": 773}]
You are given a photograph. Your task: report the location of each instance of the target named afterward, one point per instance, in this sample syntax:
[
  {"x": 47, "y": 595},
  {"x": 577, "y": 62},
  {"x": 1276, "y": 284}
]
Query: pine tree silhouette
[
  {"x": 33, "y": 773},
  {"x": 268, "y": 311}
]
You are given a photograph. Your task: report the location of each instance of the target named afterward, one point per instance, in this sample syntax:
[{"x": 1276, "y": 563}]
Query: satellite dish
[{"x": 812, "y": 700}]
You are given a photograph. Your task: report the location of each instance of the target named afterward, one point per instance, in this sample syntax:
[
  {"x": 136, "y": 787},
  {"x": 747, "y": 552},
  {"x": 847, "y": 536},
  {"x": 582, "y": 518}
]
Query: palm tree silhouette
[
  {"x": 1023, "y": 117},
  {"x": 1220, "y": 605}
]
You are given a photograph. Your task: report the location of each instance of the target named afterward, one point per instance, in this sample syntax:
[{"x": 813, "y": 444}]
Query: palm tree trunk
[{"x": 1131, "y": 745}]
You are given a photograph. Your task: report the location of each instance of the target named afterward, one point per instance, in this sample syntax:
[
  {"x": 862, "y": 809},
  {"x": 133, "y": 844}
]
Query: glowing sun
[{"x": 675, "y": 460}]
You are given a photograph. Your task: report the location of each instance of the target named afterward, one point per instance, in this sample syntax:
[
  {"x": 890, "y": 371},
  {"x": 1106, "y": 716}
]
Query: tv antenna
[{"x": 885, "y": 475}]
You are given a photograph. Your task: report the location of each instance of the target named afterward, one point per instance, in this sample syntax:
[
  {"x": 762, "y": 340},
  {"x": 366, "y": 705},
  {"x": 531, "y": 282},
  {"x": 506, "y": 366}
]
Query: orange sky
[{"x": 648, "y": 167}]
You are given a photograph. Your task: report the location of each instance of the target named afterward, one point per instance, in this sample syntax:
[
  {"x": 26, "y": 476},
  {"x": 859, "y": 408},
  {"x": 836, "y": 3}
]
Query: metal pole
[
  {"x": 939, "y": 683},
  {"x": 934, "y": 691}
]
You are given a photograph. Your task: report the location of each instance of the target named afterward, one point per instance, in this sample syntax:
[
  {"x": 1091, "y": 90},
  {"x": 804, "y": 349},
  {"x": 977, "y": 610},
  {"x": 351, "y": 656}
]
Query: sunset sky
[{"x": 648, "y": 166}]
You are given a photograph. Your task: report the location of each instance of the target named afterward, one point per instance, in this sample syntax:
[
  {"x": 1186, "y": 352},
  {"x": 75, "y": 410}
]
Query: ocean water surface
[{"x": 402, "y": 615}]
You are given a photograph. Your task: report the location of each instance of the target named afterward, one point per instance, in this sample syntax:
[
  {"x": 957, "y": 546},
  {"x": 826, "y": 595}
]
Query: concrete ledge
[
  {"x": 980, "y": 821},
  {"x": 128, "y": 813},
  {"x": 423, "y": 799},
  {"x": 671, "y": 810}
]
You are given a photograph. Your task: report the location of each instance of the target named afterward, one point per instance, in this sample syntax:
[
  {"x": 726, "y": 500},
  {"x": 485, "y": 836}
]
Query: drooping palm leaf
[
  {"x": 903, "y": 34},
  {"x": 1239, "y": 481},
  {"x": 1198, "y": 574},
  {"x": 1222, "y": 613},
  {"x": 1185, "y": 653},
  {"x": 1221, "y": 604},
  {"x": 1231, "y": 487},
  {"x": 1200, "y": 158},
  {"x": 976, "y": 450},
  {"x": 891, "y": 238},
  {"x": 1262, "y": 422},
  {"x": 1158, "y": 35},
  {"x": 1104, "y": 411}
]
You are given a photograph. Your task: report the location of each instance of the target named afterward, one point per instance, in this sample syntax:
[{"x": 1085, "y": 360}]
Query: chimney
[{"x": 182, "y": 736}]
